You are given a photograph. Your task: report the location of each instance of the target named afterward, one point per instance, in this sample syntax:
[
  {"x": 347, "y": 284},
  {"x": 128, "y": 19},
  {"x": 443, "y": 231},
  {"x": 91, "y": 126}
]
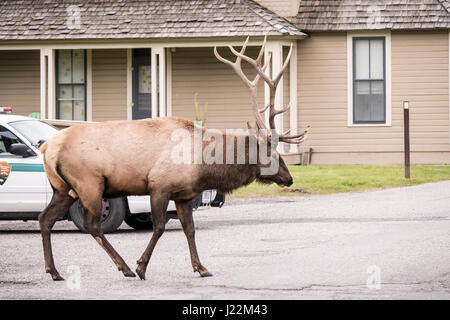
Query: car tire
[
  {"x": 143, "y": 221},
  {"x": 113, "y": 214},
  {"x": 139, "y": 221}
]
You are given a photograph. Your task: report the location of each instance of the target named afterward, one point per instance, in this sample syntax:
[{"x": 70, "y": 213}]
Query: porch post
[
  {"x": 267, "y": 52},
  {"x": 43, "y": 85},
  {"x": 47, "y": 77},
  {"x": 89, "y": 84},
  {"x": 51, "y": 84},
  {"x": 276, "y": 48},
  {"x": 129, "y": 84},
  {"x": 293, "y": 111},
  {"x": 169, "y": 81},
  {"x": 277, "y": 64},
  {"x": 162, "y": 82},
  {"x": 154, "y": 83},
  {"x": 159, "y": 106}
]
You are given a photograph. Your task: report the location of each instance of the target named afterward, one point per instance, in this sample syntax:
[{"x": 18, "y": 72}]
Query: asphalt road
[{"x": 377, "y": 245}]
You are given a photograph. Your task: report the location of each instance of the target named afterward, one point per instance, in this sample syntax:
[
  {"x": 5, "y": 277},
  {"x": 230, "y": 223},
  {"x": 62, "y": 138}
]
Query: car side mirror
[{"x": 19, "y": 149}]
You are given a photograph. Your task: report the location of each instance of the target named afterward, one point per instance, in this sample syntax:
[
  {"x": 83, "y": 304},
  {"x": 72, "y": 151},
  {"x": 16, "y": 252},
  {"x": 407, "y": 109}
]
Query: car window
[
  {"x": 34, "y": 131},
  {"x": 7, "y": 138}
]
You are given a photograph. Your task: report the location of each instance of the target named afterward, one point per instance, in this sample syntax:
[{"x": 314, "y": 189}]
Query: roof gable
[{"x": 327, "y": 15}]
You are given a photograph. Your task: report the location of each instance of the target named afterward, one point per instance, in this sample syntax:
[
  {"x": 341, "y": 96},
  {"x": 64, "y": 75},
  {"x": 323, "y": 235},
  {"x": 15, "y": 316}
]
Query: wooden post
[
  {"x": 406, "y": 135},
  {"x": 130, "y": 84},
  {"x": 154, "y": 86},
  {"x": 51, "y": 112},
  {"x": 162, "y": 83},
  {"x": 43, "y": 74},
  {"x": 293, "y": 111}
]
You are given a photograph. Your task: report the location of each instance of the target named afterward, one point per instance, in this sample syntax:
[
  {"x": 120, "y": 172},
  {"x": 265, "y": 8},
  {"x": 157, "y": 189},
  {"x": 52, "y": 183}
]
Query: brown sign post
[{"x": 406, "y": 135}]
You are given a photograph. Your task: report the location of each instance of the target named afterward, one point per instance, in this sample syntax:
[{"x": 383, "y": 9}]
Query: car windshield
[{"x": 34, "y": 131}]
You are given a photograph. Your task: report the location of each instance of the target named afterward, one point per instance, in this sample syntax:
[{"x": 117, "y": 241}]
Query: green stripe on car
[{"x": 27, "y": 167}]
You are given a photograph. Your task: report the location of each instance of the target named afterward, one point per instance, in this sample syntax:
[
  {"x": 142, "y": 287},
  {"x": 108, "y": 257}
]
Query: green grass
[{"x": 326, "y": 179}]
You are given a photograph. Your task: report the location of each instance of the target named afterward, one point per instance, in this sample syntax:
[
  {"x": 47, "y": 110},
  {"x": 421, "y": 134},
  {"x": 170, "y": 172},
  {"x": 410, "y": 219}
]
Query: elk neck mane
[{"x": 227, "y": 177}]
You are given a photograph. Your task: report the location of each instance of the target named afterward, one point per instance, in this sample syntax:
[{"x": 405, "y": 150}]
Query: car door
[{"x": 22, "y": 180}]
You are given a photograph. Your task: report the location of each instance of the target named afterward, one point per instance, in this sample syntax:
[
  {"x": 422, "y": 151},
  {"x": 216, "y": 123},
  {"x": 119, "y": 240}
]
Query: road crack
[
  {"x": 437, "y": 280},
  {"x": 310, "y": 286}
]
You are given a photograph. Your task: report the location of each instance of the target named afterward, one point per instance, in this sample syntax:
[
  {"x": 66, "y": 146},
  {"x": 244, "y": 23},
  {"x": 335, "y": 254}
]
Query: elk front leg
[
  {"x": 56, "y": 209},
  {"x": 159, "y": 203},
  {"x": 92, "y": 224},
  {"x": 184, "y": 212}
]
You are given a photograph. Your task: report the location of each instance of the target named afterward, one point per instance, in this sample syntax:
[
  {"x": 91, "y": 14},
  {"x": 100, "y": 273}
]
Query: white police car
[{"x": 25, "y": 190}]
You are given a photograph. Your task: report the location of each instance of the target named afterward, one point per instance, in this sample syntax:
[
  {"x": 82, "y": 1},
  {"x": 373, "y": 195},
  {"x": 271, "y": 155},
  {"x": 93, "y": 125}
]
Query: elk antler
[
  {"x": 252, "y": 85},
  {"x": 272, "y": 83}
]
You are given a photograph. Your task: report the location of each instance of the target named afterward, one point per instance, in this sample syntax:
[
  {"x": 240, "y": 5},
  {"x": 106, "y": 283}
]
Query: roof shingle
[
  {"x": 335, "y": 15},
  {"x": 138, "y": 19}
]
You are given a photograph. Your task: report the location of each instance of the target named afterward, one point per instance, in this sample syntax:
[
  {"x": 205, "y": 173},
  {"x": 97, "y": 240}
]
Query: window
[
  {"x": 369, "y": 80},
  {"x": 34, "y": 131},
  {"x": 71, "y": 84},
  {"x": 7, "y": 138}
]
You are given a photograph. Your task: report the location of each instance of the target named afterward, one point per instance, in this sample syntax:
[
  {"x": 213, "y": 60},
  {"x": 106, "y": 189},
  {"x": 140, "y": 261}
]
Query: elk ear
[
  {"x": 272, "y": 143},
  {"x": 253, "y": 131}
]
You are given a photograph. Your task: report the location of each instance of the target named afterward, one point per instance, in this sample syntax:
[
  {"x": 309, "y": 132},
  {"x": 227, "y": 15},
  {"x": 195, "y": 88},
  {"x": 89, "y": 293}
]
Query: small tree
[{"x": 200, "y": 113}]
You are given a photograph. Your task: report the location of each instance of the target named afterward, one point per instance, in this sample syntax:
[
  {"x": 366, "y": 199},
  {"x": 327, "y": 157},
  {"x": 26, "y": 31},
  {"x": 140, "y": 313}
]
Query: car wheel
[
  {"x": 142, "y": 221},
  {"x": 139, "y": 221},
  {"x": 113, "y": 214}
]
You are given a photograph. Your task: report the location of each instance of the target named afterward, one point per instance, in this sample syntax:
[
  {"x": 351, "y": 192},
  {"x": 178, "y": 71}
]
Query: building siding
[
  {"x": 109, "y": 85},
  {"x": 20, "y": 81},
  {"x": 419, "y": 75},
  {"x": 197, "y": 70},
  {"x": 284, "y": 8}
]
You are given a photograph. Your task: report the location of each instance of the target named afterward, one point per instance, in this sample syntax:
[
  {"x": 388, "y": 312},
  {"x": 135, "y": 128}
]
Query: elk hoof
[
  {"x": 140, "y": 273},
  {"x": 57, "y": 278},
  {"x": 129, "y": 274},
  {"x": 205, "y": 274}
]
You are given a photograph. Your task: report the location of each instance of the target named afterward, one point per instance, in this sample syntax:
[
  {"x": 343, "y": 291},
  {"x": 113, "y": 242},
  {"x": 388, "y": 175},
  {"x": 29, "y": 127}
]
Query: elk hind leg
[
  {"x": 56, "y": 209},
  {"x": 184, "y": 212}
]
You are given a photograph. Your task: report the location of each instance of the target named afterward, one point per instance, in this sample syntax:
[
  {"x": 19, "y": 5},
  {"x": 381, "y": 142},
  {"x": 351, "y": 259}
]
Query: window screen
[{"x": 369, "y": 84}]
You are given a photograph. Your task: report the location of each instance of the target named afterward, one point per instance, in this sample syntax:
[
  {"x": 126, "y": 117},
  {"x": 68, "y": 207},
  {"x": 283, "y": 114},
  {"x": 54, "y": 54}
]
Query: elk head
[{"x": 282, "y": 176}]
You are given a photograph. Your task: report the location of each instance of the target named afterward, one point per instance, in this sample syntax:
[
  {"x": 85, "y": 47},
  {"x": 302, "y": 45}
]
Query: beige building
[{"x": 354, "y": 64}]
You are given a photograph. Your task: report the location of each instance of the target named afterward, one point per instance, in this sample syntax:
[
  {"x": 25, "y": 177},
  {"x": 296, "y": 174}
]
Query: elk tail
[
  {"x": 53, "y": 169},
  {"x": 43, "y": 147}
]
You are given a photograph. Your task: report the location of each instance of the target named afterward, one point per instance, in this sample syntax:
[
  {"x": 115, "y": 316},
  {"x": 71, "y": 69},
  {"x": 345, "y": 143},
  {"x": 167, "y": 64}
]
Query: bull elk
[{"x": 83, "y": 162}]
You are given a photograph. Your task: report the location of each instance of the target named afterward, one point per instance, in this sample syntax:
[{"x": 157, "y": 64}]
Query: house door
[{"x": 142, "y": 84}]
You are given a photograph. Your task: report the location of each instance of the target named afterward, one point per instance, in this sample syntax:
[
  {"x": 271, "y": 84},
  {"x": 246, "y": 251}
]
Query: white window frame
[
  {"x": 388, "y": 78},
  {"x": 57, "y": 84},
  {"x": 89, "y": 84}
]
